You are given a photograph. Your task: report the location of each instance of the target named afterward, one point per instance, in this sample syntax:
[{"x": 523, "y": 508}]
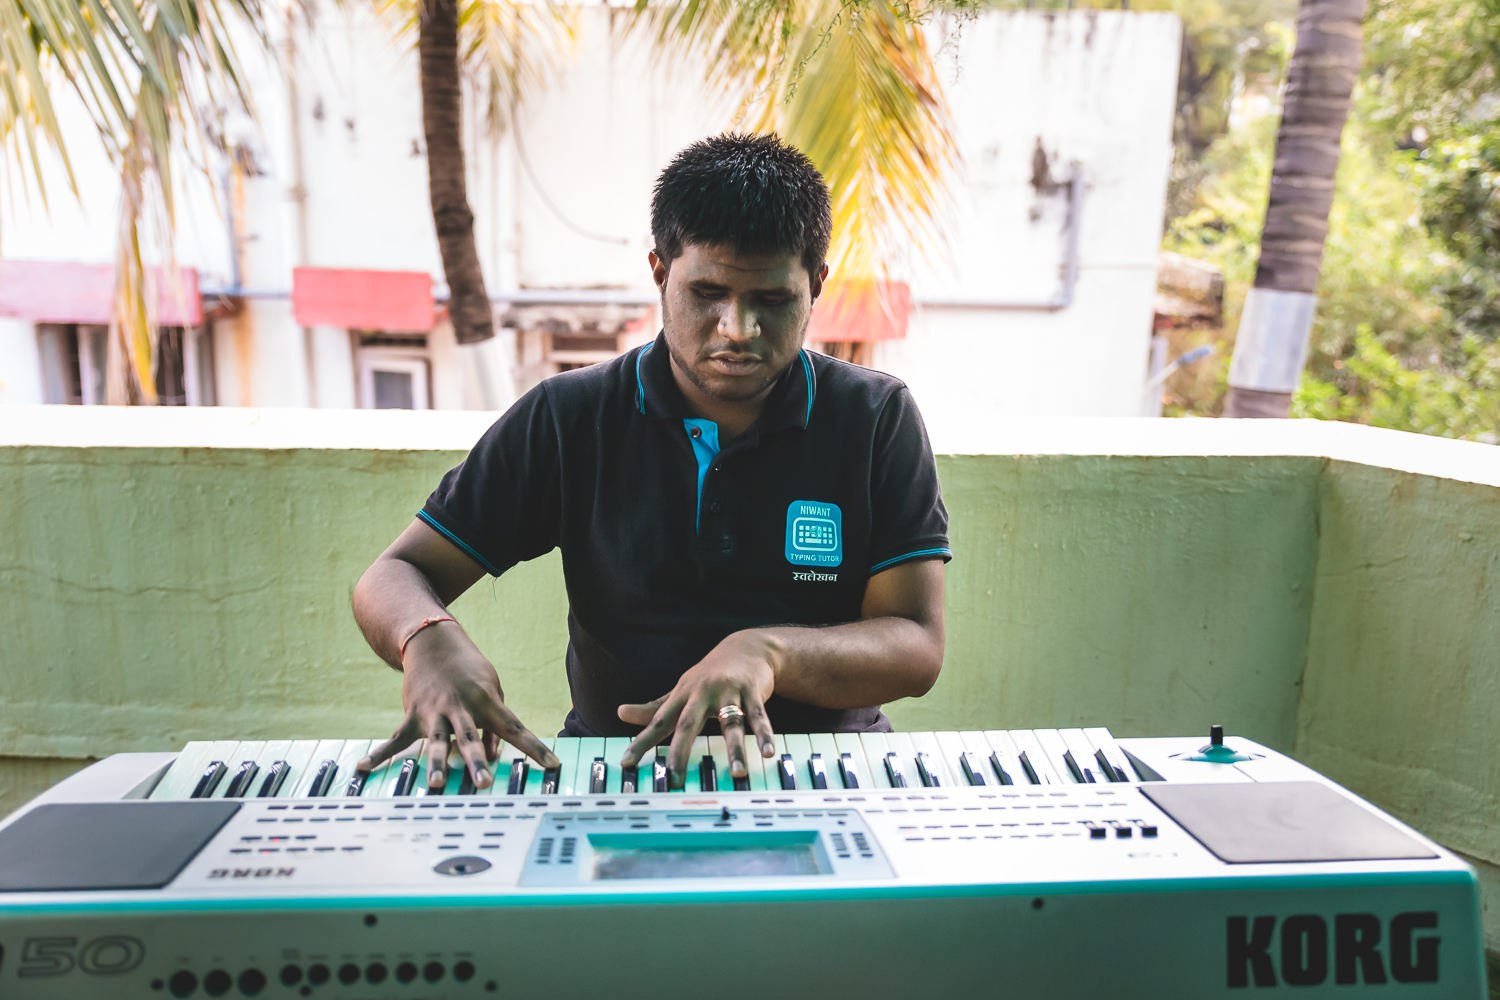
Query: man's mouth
[{"x": 734, "y": 364}]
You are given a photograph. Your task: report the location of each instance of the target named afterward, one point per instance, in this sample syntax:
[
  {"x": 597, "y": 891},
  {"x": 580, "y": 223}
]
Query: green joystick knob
[{"x": 1216, "y": 752}]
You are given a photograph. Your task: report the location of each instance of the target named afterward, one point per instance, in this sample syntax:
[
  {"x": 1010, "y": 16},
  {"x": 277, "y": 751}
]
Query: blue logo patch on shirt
[{"x": 814, "y": 533}]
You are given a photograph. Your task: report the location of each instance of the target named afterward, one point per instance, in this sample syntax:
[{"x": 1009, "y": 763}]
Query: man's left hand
[{"x": 739, "y": 672}]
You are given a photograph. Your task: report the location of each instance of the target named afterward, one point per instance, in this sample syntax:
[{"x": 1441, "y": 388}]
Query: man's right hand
[{"x": 453, "y": 699}]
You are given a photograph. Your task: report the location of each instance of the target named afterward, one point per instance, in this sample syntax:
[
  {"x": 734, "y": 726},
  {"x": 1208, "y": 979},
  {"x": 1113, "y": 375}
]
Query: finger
[
  {"x": 437, "y": 760},
  {"x": 523, "y": 739},
  {"x": 491, "y": 745},
  {"x": 760, "y": 725},
  {"x": 400, "y": 740},
  {"x": 640, "y": 715},
  {"x": 471, "y": 748},
  {"x": 734, "y": 737},
  {"x": 657, "y": 726},
  {"x": 689, "y": 725}
]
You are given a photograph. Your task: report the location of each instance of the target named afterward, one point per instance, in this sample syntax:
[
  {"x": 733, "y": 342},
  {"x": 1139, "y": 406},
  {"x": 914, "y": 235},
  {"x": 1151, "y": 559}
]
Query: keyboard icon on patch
[{"x": 814, "y": 534}]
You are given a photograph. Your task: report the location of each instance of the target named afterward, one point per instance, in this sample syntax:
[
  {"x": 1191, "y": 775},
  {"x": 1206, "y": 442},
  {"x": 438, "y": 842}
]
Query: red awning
[
  {"x": 860, "y": 310},
  {"x": 382, "y": 301},
  {"x": 62, "y": 292}
]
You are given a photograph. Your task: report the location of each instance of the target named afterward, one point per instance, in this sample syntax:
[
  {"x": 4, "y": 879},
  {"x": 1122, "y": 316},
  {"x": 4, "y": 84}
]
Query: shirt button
[
  {"x": 696, "y": 432},
  {"x": 713, "y": 508}
]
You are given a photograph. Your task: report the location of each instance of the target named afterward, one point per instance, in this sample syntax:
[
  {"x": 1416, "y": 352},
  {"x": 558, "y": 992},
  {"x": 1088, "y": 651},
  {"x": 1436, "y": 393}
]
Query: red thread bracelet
[{"x": 401, "y": 653}]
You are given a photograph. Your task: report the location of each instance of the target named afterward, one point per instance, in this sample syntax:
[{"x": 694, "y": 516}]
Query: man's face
[{"x": 733, "y": 322}]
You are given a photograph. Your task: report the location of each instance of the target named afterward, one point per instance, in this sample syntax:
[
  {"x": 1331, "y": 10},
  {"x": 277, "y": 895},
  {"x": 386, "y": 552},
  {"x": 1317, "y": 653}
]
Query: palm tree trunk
[
  {"x": 1271, "y": 345},
  {"x": 437, "y": 45}
]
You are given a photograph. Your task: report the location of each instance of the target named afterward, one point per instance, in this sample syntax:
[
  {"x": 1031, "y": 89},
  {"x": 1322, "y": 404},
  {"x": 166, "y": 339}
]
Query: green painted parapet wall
[{"x": 1330, "y": 590}]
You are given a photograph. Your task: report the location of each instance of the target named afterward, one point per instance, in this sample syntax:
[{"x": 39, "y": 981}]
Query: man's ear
[
  {"x": 659, "y": 270},
  {"x": 816, "y": 283}
]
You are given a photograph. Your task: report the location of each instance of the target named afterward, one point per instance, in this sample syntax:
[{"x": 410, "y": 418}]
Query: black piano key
[
  {"x": 356, "y": 784},
  {"x": 1111, "y": 773},
  {"x": 518, "y": 771},
  {"x": 466, "y": 783},
  {"x": 817, "y": 772},
  {"x": 708, "y": 774},
  {"x": 244, "y": 777},
  {"x": 742, "y": 784},
  {"x": 323, "y": 780},
  {"x": 551, "y": 778},
  {"x": 628, "y": 780},
  {"x": 973, "y": 770},
  {"x": 598, "y": 777},
  {"x": 209, "y": 779},
  {"x": 1083, "y": 775},
  {"x": 659, "y": 774},
  {"x": 928, "y": 772},
  {"x": 275, "y": 778},
  {"x": 407, "y": 779},
  {"x": 847, "y": 771},
  {"x": 1026, "y": 766},
  {"x": 893, "y": 770},
  {"x": 1000, "y": 772},
  {"x": 787, "y": 771}
]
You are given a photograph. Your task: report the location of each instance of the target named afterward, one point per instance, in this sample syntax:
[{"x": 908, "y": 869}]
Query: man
[{"x": 750, "y": 533}]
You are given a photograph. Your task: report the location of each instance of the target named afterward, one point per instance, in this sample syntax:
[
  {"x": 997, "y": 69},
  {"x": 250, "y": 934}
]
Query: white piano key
[
  {"x": 690, "y": 777},
  {"x": 1004, "y": 748},
  {"x": 800, "y": 747},
  {"x": 245, "y": 750},
  {"x": 569, "y": 755},
  {"x": 614, "y": 749},
  {"x": 853, "y": 745},
  {"x": 875, "y": 748},
  {"x": 321, "y": 750},
  {"x": 1103, "y": 742},
  {"x": 588, "y": 748},
  {"x": 825, "y": 745},
  {"x": 382, "y": 781},
  {"x": 1026, "y": 742},
  {"x": 719, "y": 751},
  {"x": 350, "y": 754},
  {"x": 952, "y": 746},
  {"x": 1051, "y": 740},
  {"x": 1083, "y": 754},
  {"x": 933, "y": 756},
  {"x": 906, "y": 756},
  {"x": 182, "y": 777},
  {"x": 756, "y": 763}
]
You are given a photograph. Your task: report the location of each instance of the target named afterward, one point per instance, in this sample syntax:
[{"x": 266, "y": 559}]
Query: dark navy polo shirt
[{"x": 670, "y": 542}]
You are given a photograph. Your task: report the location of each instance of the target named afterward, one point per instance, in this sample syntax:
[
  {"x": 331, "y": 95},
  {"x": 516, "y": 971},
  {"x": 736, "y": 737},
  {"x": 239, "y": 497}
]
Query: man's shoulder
[{"x": 844, "y": 384}]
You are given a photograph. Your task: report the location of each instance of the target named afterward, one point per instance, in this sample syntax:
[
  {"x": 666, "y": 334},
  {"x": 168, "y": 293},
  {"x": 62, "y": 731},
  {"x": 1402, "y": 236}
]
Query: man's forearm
[
  {"x": 390, "y": 601},
  {"x": 861, "y": 663}
]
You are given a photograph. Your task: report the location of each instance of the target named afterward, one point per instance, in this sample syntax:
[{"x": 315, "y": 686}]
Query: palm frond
[
  {"x": 507, "y": 46},
  {"x": 851, "y": 84},
  {"x": 146, "y": 73}
]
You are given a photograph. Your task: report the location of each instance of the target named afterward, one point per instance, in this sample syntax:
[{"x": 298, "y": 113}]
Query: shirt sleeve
[
  {"x": 501, "y": 504},
  {"x": 908, "y": 519}
]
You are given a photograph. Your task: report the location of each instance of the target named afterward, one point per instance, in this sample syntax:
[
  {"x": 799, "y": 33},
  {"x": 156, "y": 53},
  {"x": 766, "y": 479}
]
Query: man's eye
[{"x": 708, "y": 294}]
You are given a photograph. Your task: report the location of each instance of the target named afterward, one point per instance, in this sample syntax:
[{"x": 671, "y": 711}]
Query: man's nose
[{"x": 738, "y": 321}]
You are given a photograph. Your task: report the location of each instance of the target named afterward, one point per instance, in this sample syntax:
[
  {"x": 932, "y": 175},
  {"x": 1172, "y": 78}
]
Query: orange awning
[
  {"x": 383, "y": 301},
  {"x": 63, "y": 292}
]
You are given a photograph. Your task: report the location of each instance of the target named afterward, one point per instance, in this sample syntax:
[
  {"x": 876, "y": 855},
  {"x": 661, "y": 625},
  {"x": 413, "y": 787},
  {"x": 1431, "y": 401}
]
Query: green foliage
[
  {"x": 1463, "y": 403},
  {"x": 1409, "y": 295}
]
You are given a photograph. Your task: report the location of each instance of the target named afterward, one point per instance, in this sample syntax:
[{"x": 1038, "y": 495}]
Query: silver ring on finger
[{"x": 731, "y": 713}]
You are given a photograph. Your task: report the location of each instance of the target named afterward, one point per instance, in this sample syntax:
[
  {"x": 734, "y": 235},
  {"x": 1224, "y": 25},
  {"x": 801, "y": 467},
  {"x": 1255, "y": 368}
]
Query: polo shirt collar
[{"x": 789, "y": 405}]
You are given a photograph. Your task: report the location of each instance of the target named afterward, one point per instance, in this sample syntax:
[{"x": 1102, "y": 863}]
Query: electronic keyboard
[{"x": 1049, "y": 863}]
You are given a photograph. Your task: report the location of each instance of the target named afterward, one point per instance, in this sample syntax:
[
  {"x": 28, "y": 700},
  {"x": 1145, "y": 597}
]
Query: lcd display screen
[{"x": 705, "y": 857}]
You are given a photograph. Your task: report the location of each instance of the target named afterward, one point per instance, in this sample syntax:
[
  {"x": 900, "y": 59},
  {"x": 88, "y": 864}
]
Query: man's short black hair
[{"x": 753, "y": 193}]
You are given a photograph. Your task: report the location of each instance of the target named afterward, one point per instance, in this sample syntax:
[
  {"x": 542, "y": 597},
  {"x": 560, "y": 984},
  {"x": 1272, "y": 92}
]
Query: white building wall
[{"x": 561, "y": 201}]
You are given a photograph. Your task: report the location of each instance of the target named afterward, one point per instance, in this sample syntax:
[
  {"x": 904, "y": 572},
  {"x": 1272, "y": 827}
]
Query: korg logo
[{"x": 1359, "y": 949}]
